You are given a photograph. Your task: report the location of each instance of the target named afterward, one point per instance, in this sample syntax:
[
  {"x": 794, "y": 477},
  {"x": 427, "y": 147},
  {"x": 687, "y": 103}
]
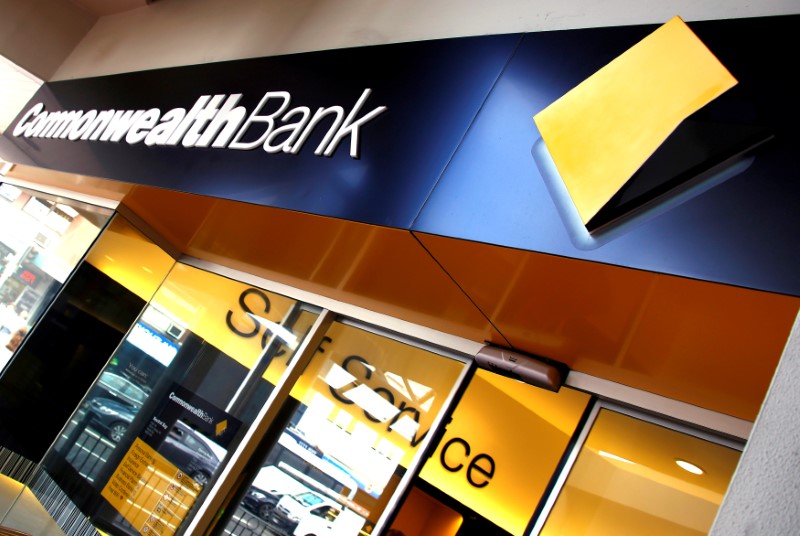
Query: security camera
[{"x": 528, "y": 369}]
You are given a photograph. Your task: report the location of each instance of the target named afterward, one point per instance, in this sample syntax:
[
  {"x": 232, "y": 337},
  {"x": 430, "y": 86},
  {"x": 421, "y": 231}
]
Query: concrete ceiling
[
  {"x": 17, "y": 86},
  {"x": 101, "y": 8}
]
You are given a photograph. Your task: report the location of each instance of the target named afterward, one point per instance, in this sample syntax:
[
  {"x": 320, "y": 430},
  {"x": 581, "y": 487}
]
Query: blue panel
[
  {"x": 742, "y": 230},
  {"x": 432, "y": 90},
  {"x": 446, "y": 160}
]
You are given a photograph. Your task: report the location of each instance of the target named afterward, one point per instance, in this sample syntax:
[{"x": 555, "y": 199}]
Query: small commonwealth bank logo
[{"x": 640, "y": 135}]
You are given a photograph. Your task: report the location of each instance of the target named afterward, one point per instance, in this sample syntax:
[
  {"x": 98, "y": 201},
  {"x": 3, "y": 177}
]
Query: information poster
[
  {"x": 154, "y": 487},
  {"x": 151, "y": 494}
]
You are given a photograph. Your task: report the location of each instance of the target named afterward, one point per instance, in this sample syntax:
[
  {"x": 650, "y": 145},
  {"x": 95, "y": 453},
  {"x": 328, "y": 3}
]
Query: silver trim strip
[
  {"x": 62, "y": 192},
  {"x": 673, "y": 409},
  {"x": 566, "y": 469},
  {"x": 208, "y": 513},
  {"x": 677, "y": 426},
  {"x": 404, "y": 338},
  {"x": 420, "y": 459}
]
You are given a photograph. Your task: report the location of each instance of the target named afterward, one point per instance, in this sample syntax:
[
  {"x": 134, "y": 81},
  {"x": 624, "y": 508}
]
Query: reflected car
[
  {"x": 291, "y": 509},
  {"x": 110, "y": 417},
  {"x": 188, "y": 451},
  {"x": 183, "y": 447},
  {"x": 270, "y": 484},
  {"x": 115, "y": 387},
  {"x": 260, "y": 503}
]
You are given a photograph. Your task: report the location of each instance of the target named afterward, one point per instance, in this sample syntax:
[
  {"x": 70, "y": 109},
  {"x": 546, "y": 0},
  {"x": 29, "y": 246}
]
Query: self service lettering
[{"x": 214, "y": 121}]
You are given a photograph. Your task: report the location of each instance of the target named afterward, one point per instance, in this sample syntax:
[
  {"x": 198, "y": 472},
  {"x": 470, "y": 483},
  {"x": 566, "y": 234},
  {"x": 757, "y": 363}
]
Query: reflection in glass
[
  {"x": 494, "y": 463},
  {"x": 626, "y": 481},
  {"x": 42, "y": 239},
  {"x": 71, "y": 343},
  {"x": 174, "y": 398},
  {"x": 355, "y": 421}
]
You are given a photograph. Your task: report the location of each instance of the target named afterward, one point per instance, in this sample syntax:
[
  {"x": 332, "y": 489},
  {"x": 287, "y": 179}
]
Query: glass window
[
  {"x": 495, "y": 461},
  {"x": 69, "y": 346},
  {"x": 175, "y": 397},
  {"x": 42, "y": 239},
  {"x": 354, "y": 424},
  {"x": 636, "y": 477}
]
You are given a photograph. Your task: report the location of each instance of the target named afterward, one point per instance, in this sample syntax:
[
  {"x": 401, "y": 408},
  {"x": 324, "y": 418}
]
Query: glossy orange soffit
[
  {"x": 380, "y": 269},
  {"x": 711, "y": 345}
]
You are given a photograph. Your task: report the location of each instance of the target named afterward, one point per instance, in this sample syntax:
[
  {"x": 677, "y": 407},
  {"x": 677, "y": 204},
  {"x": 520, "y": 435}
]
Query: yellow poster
[{"x": 149, "y": 492}]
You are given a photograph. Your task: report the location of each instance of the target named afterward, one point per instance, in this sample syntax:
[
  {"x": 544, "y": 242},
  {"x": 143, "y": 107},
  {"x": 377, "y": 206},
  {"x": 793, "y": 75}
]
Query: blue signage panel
[
  {"x": 361, "y": 134},
  {"x": 438, "y": 137},
  {"x": 738, "y": 227}
]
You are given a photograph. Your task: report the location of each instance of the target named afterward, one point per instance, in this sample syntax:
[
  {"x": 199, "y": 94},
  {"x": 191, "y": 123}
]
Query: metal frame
[
  {"x": 713, "y": 421},
  {"x": 680, "y": 416},
  {"x": 98, "y": 201},
  {"x": 208, "y": 514},
  {"x": 205, "y": 519},
  {"x": 543, "y": 512},
  {"x": 709, "y": 425},
  {"x": 571, "y": 456},
  {"x": 426, "y": 447}
]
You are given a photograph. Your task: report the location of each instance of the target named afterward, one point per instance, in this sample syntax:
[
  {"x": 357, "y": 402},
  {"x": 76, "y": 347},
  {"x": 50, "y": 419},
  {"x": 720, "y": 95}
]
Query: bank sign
[
  {"x": 439, "y": 137},
  {"x": 213, "y": 121}
]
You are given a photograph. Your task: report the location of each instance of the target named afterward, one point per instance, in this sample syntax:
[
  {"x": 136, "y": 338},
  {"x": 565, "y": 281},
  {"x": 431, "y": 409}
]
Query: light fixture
[
  {"x": 687, "y": 466},
  {"x": 530, "y": 369}
]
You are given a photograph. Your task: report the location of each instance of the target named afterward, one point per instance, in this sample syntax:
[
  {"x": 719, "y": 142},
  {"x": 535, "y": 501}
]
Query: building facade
[{"x": 297, "y": 286}]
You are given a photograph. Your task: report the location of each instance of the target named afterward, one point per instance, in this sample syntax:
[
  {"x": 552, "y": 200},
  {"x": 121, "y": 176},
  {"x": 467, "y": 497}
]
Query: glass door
[{"x": 349, "y": 438}]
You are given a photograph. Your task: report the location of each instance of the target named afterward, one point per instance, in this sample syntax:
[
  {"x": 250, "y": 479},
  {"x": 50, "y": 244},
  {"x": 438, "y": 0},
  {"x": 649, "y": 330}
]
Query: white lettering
[
  {"x": 38, "y": 124},
  {"x": 181, "y": 129},
  {"x": 82, "y": 125},
  {"x": 203, "y": 116},
  {"x": 69, "y": 120},
  {"x": 216, "y": 121},
  {"x": 292, "y": 129},
  {"x": 22, "y": 127},
  {"x": 120, "y": 124},
  {"x": 161, "y": 134},
  {"x": 190, "y": 408},
  {"x": 350, "y": 127},
  {"x": 319, "y": 116},
  {"x": 57, "y": 123},
  {"x": 254, "y": 118},
  {"x": 228, "y": 116},
  {"x": 141, "y": 128},
  {"x": 99, "y": 124}
]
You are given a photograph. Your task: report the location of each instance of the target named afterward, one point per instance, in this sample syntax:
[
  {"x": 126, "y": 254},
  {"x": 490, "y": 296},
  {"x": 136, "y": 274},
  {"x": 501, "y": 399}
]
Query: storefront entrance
[{"x": 223, "y": 403}]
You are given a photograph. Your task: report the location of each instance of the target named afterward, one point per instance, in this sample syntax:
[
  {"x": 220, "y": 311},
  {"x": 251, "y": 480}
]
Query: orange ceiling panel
[
  {"x": 710, "y": 345},
  {"x": 707, "y": 344},
  {"x": 175, "y": 216},
  {"x": 383, "y": 270}
]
